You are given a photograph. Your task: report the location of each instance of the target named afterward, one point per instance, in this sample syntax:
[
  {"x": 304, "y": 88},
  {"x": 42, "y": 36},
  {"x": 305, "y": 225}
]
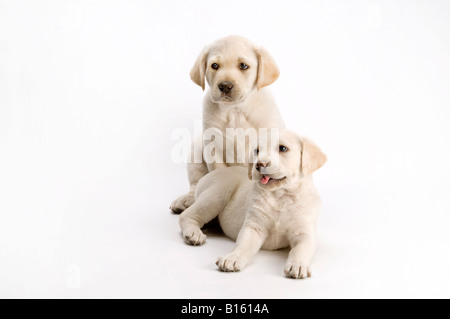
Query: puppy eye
[
  {"x": 256, "y": 151},
  {"x": 283, "y": 148},
  {"x": 243, "y": 66},
  {"x": 215, "y": 66}
]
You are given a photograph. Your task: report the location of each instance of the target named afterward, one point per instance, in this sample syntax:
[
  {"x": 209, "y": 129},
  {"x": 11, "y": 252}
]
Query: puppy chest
[
  {"x": 237, "y": 134},
  {"x": 277, "y": 238},
  {"x": 236, "y": 118}
]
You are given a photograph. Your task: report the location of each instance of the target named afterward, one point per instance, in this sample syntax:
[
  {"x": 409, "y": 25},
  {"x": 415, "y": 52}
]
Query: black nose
[
  {"x": 259, "y": 165},
  {"x": 225, "y": 86}
]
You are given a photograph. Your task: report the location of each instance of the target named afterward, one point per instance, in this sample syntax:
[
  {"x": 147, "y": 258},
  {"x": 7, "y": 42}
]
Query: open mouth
[{"x": 266, "y": 179}]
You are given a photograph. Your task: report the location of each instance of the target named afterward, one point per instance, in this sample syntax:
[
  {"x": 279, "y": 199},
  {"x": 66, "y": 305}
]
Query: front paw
[
  {"x": 230, "y": 263},
  {"x": 297, "y": 270},
  {"x": 182, "y": 203},
  {"x": 194, "y": 237}
]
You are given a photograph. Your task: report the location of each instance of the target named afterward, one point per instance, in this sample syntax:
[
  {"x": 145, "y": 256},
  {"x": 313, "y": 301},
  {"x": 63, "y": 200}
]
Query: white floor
[
  {"x": 129, "y": 246},
  {"x": 92, "y": 91}
]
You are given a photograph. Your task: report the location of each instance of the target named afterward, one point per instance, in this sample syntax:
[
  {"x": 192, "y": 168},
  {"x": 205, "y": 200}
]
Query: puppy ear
[
  {"x": 199, "y": 69},
  {"x": 268, "y": 71},
  {"x": 312, "y": 157}
]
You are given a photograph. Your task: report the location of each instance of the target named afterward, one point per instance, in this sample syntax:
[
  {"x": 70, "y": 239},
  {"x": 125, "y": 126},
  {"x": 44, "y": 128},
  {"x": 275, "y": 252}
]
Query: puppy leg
[
  {"x": 207, "y": 206},
  {"x": 195, "y": 172},
  {"x": 302, "y": 249},
  {"x": 248, "y": 243}
]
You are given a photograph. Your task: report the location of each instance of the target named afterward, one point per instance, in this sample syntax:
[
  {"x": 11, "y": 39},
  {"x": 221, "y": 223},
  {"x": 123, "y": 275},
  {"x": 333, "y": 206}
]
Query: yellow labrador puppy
[
  {"x": 277, "y": 209},
  {"x": 237, "y": 72}
]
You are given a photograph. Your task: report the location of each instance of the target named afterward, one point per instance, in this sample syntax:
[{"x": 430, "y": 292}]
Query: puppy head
[
  {"x": 282, "y": 158},
  {"x": 233, "y": 68}
]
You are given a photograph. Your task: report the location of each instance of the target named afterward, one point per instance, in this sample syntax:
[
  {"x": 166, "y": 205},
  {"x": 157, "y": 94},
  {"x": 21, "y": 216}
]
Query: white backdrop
[{"x": 91, "y": 91}]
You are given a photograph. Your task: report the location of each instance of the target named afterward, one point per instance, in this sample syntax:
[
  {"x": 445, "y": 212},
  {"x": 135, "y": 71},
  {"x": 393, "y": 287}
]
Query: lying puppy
[
  {"x": 277, "y": 209},
  {"x": 237, "y": 72}
]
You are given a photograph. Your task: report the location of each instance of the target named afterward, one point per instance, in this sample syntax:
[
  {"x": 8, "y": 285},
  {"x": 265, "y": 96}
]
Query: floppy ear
[
  {"x": 312, "y": 157},
  {"x": 199, "y": 69},
  {"x": 268, "y": 71}
]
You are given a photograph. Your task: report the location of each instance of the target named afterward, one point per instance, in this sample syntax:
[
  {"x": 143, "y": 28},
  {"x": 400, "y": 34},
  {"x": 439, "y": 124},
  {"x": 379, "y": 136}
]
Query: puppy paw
[
  {"x": 194, "y": 237},
  {"x": 297, "y": 270},
  {"x": 229, "y": 263},
  {"x": 181, "y": 203}
]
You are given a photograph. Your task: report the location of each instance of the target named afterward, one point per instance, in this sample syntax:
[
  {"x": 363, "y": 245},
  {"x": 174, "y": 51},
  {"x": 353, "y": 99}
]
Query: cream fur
[
  {"x": 272, "y": 216},
  {"x": 250, "y": 104}
]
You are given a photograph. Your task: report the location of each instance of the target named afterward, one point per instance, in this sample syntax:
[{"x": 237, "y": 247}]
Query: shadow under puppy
[{"x": 276, "y": 208}]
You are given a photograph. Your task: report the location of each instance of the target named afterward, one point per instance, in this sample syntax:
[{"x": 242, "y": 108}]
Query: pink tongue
[{"x": 264, "y": 180}]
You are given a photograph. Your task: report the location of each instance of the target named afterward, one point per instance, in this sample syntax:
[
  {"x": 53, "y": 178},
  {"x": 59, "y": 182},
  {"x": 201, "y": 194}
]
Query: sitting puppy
[
  {"x": 277, "y": 209},
  {"x": 238, "y": 73}
]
